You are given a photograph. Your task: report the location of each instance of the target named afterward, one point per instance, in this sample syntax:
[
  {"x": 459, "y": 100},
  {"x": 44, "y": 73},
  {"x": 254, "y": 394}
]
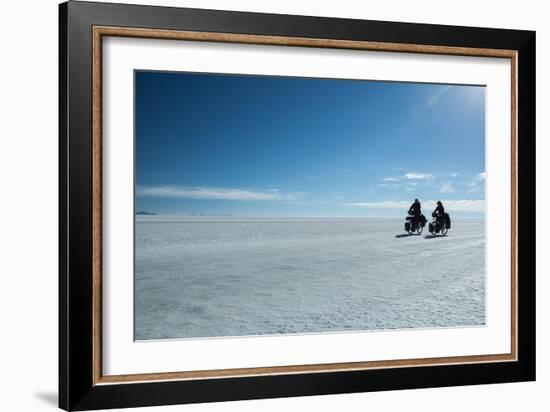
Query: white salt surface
[{"x": 228, "y": 276}]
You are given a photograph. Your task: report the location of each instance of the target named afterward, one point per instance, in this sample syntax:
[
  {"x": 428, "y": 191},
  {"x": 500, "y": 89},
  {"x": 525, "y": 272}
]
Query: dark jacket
[
  {"x": 415, "y": 208},
  {"x": 439, "y": 210}
]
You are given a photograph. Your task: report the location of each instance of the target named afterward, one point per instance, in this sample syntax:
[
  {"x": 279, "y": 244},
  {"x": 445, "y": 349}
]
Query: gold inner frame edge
[{"x": 101, "y": 31}]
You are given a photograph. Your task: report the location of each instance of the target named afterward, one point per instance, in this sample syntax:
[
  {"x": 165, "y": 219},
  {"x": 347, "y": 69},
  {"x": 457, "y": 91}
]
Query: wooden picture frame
[{"x": 82, "y": 384}]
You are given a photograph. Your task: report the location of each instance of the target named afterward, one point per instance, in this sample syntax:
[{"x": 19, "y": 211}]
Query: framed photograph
[{"x": 257, "y": 205}]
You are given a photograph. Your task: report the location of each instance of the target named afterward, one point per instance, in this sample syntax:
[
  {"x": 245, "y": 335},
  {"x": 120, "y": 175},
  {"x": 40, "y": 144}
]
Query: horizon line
[{"x": 479, "y": 215}]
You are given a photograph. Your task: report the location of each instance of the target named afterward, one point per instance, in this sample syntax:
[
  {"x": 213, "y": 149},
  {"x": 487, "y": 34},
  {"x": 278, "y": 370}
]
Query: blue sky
[{"x": 284, "y": 146}]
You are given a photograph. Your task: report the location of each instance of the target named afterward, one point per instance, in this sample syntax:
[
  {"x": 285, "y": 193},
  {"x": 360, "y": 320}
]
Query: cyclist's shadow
[{"x": 435, "y": 236}]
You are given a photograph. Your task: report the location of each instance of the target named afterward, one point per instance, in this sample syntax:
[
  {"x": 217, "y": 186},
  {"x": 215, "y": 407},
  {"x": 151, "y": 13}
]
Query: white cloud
[
  {"x": 450, "y": 205},
  {"x": 215, "y": 193},
  {"x": 390, "y": 204},
  {"x": 418, "y": 175},
  {"x": 464, "y": 205},
  {"x": 447, "y": 188},
  {"x": 477, "y": 182},
  {"x": 390, "y": 179},
  {"x": 434, "y": 99}
]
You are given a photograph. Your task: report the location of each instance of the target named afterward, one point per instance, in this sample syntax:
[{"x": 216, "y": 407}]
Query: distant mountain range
[{"x": 143, "y": 212}]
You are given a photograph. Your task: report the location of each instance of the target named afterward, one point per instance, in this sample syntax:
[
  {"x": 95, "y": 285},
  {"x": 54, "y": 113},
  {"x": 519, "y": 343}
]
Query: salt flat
[{"x": 229, "y": 276}]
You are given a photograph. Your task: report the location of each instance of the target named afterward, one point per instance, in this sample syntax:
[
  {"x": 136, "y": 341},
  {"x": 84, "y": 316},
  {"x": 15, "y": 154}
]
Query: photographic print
[{"x": 268, "y": 205}]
